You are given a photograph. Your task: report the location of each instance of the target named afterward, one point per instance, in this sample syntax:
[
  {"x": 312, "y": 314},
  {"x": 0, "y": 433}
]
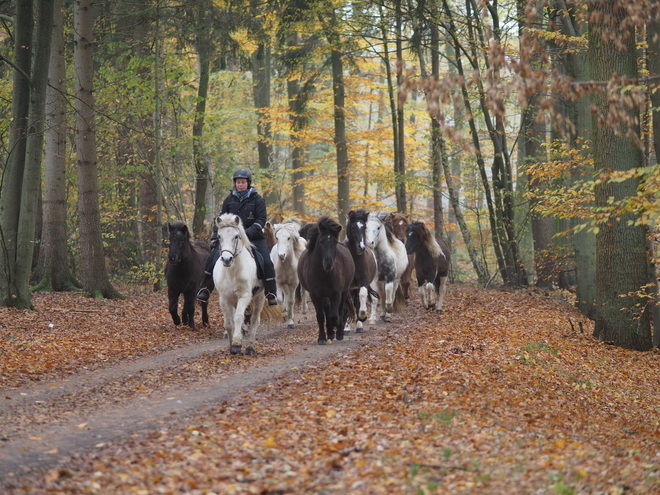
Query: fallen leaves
[{"x": 497, "y": 395}]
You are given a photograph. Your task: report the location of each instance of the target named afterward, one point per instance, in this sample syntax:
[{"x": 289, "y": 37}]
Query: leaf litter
[{"x": 499, "y": 394}]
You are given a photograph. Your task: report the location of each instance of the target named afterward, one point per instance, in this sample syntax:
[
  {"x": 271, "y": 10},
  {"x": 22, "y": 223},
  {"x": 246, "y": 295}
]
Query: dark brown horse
[
  {"x": 365, "y": 280},
  {"x": 326, "y": 270},
  {"x": 184, "y": 272},
  {"x": 431, "y": 264},
  {"x": 400, "y": 222}
]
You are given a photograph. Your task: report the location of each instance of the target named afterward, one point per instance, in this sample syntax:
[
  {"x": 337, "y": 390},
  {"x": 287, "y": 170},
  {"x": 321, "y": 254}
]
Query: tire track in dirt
[{"x": 30, "y": 443}]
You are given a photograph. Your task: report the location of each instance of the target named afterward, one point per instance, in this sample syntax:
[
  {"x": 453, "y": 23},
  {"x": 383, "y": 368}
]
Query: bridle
[{"x": 235, "y": 251}]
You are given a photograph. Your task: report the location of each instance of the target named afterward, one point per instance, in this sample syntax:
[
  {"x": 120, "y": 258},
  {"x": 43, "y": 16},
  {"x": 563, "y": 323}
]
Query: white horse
[
  {"x": 285, "y": 255},
  {"x": 237, "y": 283},
  {"x": 392, "y": 261}
]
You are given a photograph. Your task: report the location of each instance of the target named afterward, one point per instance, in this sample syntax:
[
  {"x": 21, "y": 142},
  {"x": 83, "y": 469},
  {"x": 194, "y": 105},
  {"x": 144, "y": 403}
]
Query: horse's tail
[
  {"x": 298, "y": 294},
  {"x": 399, "y": 300}
]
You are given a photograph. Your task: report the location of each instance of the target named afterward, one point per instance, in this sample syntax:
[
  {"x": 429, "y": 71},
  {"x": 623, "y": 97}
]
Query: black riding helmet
[{"x": 243, "y": 173}]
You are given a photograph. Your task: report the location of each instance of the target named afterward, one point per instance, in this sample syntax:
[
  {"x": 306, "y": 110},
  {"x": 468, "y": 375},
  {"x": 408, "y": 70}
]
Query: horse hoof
[
  {"x": 359, "y": 330},
  {"x": 250, "y": 351},
  {"x": 439, "y": 310},
  {"x": 346, "y": 332},
  {"x": 387, "y": 318},
  {"x": 340, "y": 336},
  {"x": 322, "y": 342},
  {"x": 235, "y": 349},
  {"x": 290, "y": 325}
]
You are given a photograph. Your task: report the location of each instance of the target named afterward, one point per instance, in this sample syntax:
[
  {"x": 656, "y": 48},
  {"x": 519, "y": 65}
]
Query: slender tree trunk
[
  {"x": 400, "y": 172},
  {"x": 297, "y": 96},
  {"x": 54, "y": 254},
  {"x": 14, "y": 170},
  {"x": 341, "y": 146},
  {"x": 92, "y": 263},
  {"x": 621, "y": 269},
  {"x": 201, "y": 166},
  {"x": 32, "y": 188},
  {"x": 261, "y": 74}
]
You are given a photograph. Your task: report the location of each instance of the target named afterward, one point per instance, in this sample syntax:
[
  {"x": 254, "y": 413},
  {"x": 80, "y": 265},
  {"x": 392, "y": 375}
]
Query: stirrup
[
  {"x": 272, "y": 299},
  {"x": 203, "y": 295}
]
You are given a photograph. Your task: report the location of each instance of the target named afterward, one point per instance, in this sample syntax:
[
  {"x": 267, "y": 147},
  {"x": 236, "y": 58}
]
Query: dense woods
[{"x": 524, "y": 132}]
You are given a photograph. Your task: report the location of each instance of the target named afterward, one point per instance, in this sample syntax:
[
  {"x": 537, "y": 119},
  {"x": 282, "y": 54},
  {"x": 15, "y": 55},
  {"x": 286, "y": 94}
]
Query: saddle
[{"x": 261, "y": 272}]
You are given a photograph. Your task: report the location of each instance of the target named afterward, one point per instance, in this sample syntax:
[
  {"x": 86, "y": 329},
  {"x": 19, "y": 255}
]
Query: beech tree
[{"x": 93, "y": 273}]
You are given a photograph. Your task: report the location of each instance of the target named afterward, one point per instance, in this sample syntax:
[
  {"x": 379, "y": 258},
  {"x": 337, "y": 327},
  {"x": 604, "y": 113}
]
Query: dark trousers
[{"x": 269, "y": 269}]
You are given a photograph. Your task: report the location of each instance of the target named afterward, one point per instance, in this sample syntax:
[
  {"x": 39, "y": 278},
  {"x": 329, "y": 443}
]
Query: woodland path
[{"x": 44, "y": 424}]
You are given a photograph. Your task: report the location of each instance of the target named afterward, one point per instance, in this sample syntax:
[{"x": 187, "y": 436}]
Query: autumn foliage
[{"x": 503, "y": 393}]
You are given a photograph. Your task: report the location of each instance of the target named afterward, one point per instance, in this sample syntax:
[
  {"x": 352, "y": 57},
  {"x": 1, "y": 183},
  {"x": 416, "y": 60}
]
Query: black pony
[
  {"x": 365, "y": 280},
  {"x": 431, "y": 264},
  {"x": 184, "y": 271},
  {"x": 326, "y": 270}
]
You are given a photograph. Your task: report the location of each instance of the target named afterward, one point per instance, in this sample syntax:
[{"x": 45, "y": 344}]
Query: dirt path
[{"x": 44, "y": 424}]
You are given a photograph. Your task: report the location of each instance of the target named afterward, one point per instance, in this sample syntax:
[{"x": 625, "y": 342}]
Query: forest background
[{"x": 523, "y": 132}]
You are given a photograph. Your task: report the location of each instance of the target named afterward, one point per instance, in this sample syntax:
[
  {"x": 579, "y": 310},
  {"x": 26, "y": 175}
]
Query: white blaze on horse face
[
  {"x": 372, "y": 232},
  {"x": 361, "y": 228},
  {"x": 283, "y": 243}
]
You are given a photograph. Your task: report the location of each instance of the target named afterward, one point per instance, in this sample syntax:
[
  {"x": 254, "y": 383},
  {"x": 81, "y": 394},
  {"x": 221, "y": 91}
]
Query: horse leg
[
  {"x": 188, "y": 316},
  {"x": 332, "y": 318},
  {"x": 174, "y": 306},
  {"x": 389, "y": 300},
  {"x": 288, "y": 301},
  {"x": 205, "y": 313},
  {"x": 441, "y": 294},
  {"x": 228, "y": 314},
  {"x": 239, "y": 322},
  {"x": 303, "y": 301},
  {"x": 257, "y": 305},
  {"x": 363, "y": 294},
  {"x": 320, "y": 319}
]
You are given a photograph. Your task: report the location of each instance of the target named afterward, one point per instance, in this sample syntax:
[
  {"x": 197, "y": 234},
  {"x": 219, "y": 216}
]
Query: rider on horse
[{"x": 250, "y": 206}]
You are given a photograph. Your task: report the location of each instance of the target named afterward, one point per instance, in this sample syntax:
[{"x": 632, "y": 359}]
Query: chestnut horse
[{"x": 400, "y": 222}]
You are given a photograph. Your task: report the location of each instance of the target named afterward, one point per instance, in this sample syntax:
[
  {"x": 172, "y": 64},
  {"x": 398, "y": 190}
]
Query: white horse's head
[
  {"x": 375, "y": 231},
  {"x": 287, "y": 237},
  {"x": 231, "y": 237}
]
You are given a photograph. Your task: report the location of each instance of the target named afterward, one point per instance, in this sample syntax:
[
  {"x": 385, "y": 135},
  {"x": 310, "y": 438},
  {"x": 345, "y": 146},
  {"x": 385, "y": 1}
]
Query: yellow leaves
[{"x": 330, "y": 413}]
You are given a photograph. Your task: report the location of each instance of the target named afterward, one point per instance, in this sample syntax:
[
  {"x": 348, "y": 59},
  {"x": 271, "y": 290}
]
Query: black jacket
[{"x": 251, "y": 209}]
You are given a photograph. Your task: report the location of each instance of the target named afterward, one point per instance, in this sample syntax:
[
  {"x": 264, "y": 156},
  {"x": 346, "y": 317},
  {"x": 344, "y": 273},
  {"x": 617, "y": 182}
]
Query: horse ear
[{"x": 237, "y": 219}]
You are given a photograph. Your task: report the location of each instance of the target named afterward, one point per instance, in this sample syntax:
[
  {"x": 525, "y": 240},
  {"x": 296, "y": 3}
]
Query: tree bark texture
[{"x": 621, "y": 263}]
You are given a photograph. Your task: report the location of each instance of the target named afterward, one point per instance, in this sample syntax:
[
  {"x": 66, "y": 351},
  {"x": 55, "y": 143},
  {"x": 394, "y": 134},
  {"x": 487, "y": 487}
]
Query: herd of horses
[{"x": 372, "y": 266}]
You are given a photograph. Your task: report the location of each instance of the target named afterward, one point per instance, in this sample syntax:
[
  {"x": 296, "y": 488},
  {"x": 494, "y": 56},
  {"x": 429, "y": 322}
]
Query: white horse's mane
[
  {"x": 231, "y": 220},
  {"x": 293, "y": 229}
]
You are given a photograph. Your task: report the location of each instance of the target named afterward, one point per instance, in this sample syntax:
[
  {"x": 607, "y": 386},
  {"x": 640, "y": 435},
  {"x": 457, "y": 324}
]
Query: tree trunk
[
  {"x": 297, "y": 96},
  {"x": 261, "y": 69},
  {"x": 400, "y": 163},
  {"x": 32, "y": 188},
  {"x": 341, "y": 146},
  {"x": 54, "y": 253},
  {"x": 14, "y": 173},
  {"x": 653, "y": 57},
  {"x": 93, "y": 271},
  {"x": 201, "y": 167},
  {"x": 621, "y": 264}
]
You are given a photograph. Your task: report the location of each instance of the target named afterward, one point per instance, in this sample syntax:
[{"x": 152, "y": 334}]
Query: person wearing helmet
[{"x": 250, "y": 206}]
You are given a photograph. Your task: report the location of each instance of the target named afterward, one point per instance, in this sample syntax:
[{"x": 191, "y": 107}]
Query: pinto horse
[
  {"x": 400, "y": 222},
  {"x": 285, "y": 255},
  {"x": 365, "y": 280},
  {"x": 326, "y": 270},
  {"x": 238, "y": 284},
  {"x": 431, "y": 264},
  {"x": 184, "y": 272},
  {"x": 392, "y": 262}
]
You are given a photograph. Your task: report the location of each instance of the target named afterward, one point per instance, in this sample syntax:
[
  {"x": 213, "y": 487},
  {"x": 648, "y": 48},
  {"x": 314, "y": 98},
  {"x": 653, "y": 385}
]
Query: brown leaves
[{"x": 497, "y": 395}]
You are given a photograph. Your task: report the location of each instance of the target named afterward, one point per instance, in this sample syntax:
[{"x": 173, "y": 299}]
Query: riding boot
[
  {"x": 207, "y": 285},
  {"x": 271, "y": 291}
]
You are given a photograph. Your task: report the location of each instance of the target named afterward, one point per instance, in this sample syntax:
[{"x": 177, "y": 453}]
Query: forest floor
[{"x": 502, "y": 393}]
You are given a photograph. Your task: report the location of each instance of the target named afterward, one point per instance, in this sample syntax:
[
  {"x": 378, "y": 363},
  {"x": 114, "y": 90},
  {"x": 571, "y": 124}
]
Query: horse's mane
[
  {"x": 386, "y": 219},
  {"x": 328, "y": 224},
  {"x": 426, "y": 238},
  {"x": 229, "y": 220},
  {"x": 292, "y": 228}
]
